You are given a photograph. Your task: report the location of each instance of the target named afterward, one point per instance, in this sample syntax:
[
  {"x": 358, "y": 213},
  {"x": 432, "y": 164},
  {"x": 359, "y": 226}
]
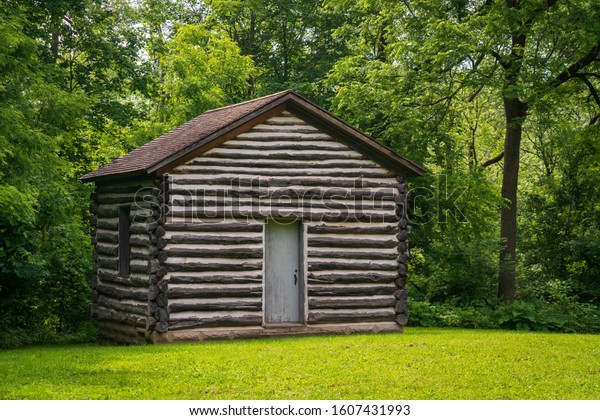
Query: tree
[
  {"x": 200, "y": 70},
  {"x": 291, "y": 42}
]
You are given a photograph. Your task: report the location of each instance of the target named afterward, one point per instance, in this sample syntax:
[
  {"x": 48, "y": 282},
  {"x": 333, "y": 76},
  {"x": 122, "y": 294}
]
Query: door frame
[{"x": 302, "y": 268}]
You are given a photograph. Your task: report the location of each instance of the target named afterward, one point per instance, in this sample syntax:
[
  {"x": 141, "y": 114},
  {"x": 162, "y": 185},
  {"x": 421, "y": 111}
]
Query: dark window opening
[{"x": 124, "y": 244}]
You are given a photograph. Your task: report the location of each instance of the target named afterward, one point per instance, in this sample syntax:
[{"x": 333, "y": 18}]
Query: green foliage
[
  {"x": 531, "y": 315},
  {"x": 564, "y": 252},
  {"x": 201, "y": 70},
  {"x": 454, "y": 252}
]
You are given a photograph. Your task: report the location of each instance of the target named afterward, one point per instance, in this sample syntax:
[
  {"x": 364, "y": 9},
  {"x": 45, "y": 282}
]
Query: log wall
[
  {"x": 120, "y": 302},
  {"x": 353, "y": 209}
]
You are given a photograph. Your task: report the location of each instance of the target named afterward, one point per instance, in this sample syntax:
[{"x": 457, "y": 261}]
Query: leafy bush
[
  {"x": 520, "y": 315},
  {"x": 11, "y": 338}
]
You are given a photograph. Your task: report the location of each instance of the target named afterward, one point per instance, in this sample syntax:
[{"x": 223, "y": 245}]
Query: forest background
[{"x": 498, "y": 99}]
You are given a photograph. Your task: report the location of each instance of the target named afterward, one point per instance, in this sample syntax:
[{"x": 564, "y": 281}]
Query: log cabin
[{"x": 271, "y": 217}]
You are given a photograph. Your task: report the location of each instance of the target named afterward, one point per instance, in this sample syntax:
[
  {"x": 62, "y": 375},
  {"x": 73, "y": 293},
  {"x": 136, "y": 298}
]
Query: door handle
[{"x": 295, "y": 279}]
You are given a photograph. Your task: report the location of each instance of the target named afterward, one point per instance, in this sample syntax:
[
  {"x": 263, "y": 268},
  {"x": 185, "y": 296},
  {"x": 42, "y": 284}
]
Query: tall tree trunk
[{"x": 515, "y": 113}]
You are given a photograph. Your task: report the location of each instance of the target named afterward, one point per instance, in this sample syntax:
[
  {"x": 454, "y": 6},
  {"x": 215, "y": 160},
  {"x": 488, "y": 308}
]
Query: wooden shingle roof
[{"x": 215, "y": 126}]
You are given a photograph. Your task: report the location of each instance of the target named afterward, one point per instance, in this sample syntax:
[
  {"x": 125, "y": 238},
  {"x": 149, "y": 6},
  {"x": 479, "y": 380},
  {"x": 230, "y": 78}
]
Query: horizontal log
[
  {"x": 105, "y": 262},
  {"x": 353, "y": 229},
  {"x": 285, "y": 118},
  {"x": 138, "y": 294},
  {"x": 329, "y": 163},
  {"x": 214, "y": 322},
  {"x": 107, "y": 236},
  {"x": 351, "y": 254},
  {"x": 210, "y": 266},
  {"x": 347, "y": 303},
  {"x": 135, "y": 320},
  {"x": 350, "y": 277},
  {"x": 321, "y": 192},
  {"x": 132, "y": 280},
  {"x": 202, "y": 226},
  {"x": 217, "y": 279},
  {"x": 229, "y": 252},
  {"x": 139, "y": 239},
  {"x": 350, "y": 242},
  {"x": 276, "y": 144},
  {"x": 233, "y": 181},
  {"x": 131, "y": 307},
  {"x": 307, "y": 173},
  {"x": 177, "y": 291},
  {"x": 185, "y": 238},
  {"x": 216, "y": 305},
  {"x": 315, "y": 215},
  {"x": 350, "y": 290},
  {"x": 139, "y": 267},
  {"x": 140, "y": 253},
  {"x": 355, "y": 315},
  {"x": 282, "y": 134},
  {"x": 108, "y": 249},
  {"x": 208, "y": 205},
  {"x": 108, "y": 224},
  {"x": 353, "y": 265},
  {"x": 292, "y": 155}
]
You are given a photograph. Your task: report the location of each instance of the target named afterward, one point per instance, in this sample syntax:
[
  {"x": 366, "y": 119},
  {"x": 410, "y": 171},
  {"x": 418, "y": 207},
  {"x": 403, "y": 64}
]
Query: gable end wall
[{"x": 353, "y": 211}]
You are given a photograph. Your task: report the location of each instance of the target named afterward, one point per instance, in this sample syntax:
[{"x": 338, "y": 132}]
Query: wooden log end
[
  {"x": 400, "y": 281},
  {"x": 162, "y": 327},
  {"x": 163, "y": 286},
  {"x": 162, "y": 271},
  {"x": 153, "y": 292},
  {"x": 401, "y": 319},
  {"x": 402, "y": 270},
  {"x": 162, "y": 256}
]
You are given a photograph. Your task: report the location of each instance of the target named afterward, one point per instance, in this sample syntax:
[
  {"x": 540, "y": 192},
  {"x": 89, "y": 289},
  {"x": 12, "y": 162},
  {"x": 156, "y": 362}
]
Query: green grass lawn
[{"x": 419, "y": 364}]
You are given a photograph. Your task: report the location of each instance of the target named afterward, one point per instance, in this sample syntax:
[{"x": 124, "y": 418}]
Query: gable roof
[{"x": 215, "y": 126}]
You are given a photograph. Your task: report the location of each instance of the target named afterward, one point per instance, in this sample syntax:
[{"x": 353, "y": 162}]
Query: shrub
[{"x": 534, "y": 315}]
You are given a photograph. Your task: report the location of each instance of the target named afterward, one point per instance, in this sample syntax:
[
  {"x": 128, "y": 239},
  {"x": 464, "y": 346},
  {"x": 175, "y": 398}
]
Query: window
[{"x": 124, "y": 245}]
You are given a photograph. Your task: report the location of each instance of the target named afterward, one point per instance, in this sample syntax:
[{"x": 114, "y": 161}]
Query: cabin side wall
[
  {"x": 120, "y": 302},
  {"x": 353, "y": 211}
]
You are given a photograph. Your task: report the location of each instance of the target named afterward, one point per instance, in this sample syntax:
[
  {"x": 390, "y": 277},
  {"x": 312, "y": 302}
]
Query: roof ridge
[{"x": 247, "y": 102}]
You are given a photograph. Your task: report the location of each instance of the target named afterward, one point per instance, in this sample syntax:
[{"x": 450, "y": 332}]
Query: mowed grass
[{"x": 419, "y": 364}]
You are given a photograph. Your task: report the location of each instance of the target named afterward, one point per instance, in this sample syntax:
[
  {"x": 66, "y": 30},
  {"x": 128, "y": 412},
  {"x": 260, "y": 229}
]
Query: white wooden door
[{"x": 283, "y": 299}]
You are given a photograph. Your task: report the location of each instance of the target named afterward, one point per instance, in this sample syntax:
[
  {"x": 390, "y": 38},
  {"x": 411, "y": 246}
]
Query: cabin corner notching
[{"x": 269, "y": 217}]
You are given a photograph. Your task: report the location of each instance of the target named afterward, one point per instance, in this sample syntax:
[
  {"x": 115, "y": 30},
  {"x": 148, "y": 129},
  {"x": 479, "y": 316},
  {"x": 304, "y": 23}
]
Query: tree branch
[
  {"x": 570, "y": 72},
  {"x": 493, "y": 160},
  {"x": 500, "y": 60},
  {"x": 590, "y": 87}
]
